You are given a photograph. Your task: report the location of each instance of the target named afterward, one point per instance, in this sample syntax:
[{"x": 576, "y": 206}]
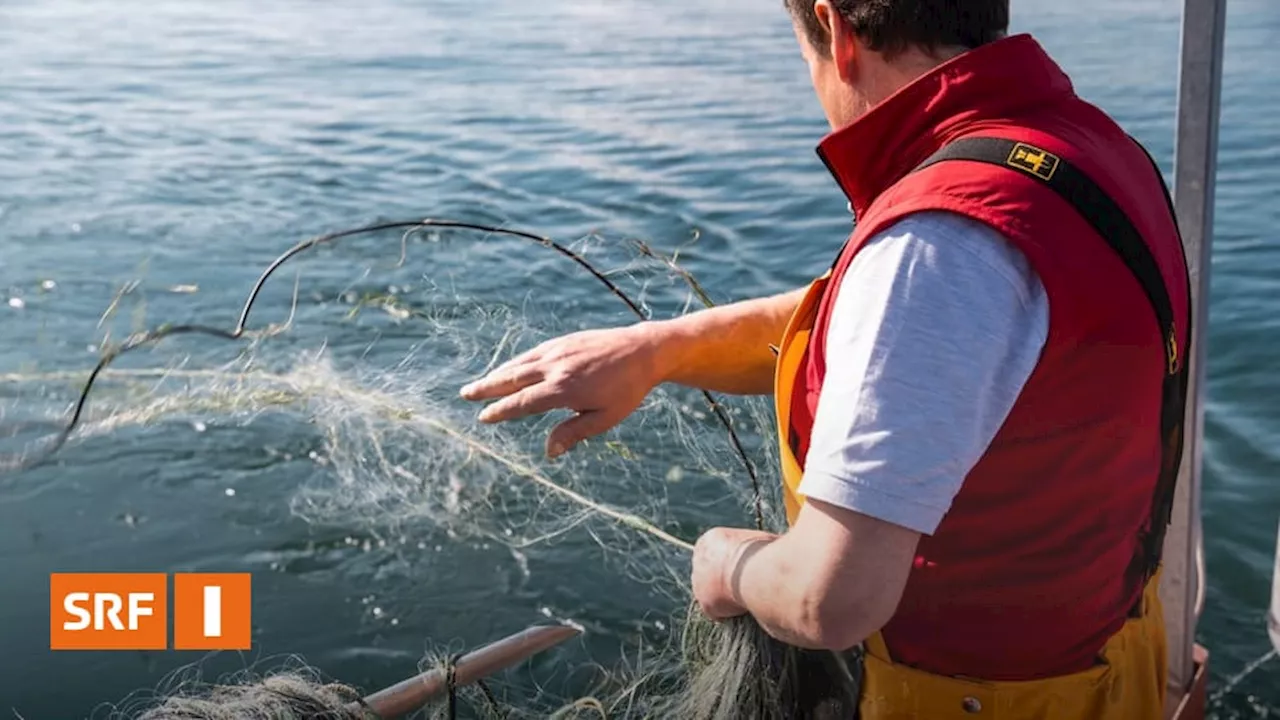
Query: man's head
[{"x": 861, "y": 51}]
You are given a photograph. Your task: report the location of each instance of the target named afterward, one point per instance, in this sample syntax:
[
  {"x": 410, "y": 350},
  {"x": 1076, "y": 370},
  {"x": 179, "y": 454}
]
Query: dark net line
[{"x": 240, "y": 330}]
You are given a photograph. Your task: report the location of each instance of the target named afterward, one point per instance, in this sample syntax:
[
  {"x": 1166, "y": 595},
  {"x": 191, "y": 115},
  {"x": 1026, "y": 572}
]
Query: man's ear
[{"x": 842, "y": 44}]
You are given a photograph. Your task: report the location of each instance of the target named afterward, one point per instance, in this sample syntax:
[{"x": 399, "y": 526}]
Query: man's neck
[{"x": 883, "y": 78}]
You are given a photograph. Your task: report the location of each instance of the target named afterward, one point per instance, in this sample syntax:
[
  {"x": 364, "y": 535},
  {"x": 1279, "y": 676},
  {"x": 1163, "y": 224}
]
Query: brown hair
[{"x": 893, "y": 26}]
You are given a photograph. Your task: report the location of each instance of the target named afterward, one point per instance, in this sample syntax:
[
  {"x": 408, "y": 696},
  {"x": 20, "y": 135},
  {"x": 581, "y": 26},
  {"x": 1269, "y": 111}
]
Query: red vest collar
[{"x": 882, "y": 146}]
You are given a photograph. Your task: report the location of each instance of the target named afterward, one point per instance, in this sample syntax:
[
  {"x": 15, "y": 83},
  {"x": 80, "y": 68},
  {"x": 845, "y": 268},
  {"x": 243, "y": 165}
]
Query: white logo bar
[{"x": 213, "y": 611}]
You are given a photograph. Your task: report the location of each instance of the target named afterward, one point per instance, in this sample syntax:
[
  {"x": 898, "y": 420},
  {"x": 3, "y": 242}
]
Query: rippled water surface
[{"x": 186, "y": 144}]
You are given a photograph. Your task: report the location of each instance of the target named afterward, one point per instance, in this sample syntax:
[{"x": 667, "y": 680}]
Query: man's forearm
[
  {"x": 725, "y": 349},
  {"x": 833, "y": 579},
  {"x": 777, "y": 587}
]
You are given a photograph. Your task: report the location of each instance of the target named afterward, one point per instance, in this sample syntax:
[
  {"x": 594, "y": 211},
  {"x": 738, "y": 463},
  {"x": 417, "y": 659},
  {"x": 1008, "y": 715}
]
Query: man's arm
[
  {"x": 938, "y": 324},
  {"x": 833, "y": 579},
  {"x": 727, "y": 348},
  {"x": 603, "y": 375}
]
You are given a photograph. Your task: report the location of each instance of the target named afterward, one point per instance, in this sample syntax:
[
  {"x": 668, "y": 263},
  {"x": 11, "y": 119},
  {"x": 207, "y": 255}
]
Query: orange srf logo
[
  {"x": 108, "y": 612},
  {"x": 128, "y": 611}
]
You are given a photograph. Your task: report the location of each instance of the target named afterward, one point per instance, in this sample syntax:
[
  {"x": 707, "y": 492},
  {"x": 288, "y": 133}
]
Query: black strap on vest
[{"x": 1114, "y": 226}]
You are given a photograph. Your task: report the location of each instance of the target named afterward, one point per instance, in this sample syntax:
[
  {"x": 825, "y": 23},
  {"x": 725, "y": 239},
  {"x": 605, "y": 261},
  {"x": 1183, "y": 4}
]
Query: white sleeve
[{"x": 938, "y": 324}]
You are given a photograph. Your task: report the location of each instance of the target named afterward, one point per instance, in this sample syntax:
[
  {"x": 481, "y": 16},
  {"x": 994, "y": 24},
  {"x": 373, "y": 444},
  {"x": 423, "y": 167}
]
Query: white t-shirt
[{"x": 938, "y": 324}]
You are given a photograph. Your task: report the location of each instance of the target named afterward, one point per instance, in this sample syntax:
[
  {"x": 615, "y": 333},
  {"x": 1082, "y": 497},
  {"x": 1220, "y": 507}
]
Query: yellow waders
[{"x": 1128, "y": 683}]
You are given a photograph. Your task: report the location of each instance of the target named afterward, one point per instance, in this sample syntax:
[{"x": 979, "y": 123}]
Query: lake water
[{"x": 186, "y": 144}]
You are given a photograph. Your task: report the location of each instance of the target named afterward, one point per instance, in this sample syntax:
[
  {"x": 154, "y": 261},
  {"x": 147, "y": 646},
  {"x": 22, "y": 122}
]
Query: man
[{"x": 979, "y": 404}]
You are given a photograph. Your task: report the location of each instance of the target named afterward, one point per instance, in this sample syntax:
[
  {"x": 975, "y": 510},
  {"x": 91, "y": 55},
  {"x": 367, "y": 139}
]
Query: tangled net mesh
[{"x": 393, "y": 450}]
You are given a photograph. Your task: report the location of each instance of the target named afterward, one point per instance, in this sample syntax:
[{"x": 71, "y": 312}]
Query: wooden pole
[{"x": 413, "y": 694}]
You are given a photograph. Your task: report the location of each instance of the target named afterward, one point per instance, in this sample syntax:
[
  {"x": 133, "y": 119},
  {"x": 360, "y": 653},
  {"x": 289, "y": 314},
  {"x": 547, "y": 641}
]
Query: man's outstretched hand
[{"x": 602, "y": 375}]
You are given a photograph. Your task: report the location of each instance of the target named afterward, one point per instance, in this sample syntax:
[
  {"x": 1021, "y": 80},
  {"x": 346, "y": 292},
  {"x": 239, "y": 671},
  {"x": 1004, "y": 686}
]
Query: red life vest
[{"x": 1033, "y": 568}]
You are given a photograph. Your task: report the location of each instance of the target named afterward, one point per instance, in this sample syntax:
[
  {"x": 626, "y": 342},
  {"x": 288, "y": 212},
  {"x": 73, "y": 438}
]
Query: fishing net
[{"x": 391, "y": 450}]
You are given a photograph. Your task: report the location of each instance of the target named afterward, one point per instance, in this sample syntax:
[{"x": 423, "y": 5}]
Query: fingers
[
  {"x": 525, "y": 358},
  {"x": 505, "y": 380},
  {"x": 576, "y": 429},
  {"x": 532, "y": 400}
]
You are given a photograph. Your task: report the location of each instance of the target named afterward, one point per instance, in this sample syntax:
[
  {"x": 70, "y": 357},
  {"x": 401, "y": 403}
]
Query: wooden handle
[{"x": 411, "y": 695}]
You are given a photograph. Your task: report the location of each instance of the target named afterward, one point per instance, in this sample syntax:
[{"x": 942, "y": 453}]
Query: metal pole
[{"x": 1195, "y": 166}]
